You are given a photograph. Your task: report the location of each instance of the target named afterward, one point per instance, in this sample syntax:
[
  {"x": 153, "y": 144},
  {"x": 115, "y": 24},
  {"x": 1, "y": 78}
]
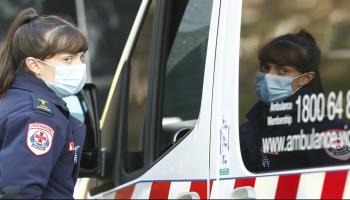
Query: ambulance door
[
  {"x": 158, "y": 122},
  {"x": 298, "y": 148},
  {"x": 224, "y": 159}
]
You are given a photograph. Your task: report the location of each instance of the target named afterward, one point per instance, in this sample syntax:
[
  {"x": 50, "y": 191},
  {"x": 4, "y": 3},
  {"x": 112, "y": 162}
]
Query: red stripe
[
  {"x": 200, "y": 187},
  {"x": 125, "y": 193},
  {"x": 287, "y": 187},
  {"x": 160, "y": 190},
  {"x": 333, "y": 186},
  {"x": 211, "y": 187},
  {"x": 244, "y": 182}
]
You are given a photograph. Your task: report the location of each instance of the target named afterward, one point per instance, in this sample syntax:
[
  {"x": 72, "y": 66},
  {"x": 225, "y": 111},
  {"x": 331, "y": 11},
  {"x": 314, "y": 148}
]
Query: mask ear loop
[
  {"x": 301, "y": 75},
  {"x": 40, "y": 77}
]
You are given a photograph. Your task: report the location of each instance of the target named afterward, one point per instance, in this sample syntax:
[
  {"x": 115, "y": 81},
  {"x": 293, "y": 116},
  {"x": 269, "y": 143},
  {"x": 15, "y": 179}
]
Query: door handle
[
  {"x": 188, "y": 195},
  {"x": 246, "y": 192}
]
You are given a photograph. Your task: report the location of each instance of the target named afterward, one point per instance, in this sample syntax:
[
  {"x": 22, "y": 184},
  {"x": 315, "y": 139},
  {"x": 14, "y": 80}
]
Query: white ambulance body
[{"x": 204, "y": 157}]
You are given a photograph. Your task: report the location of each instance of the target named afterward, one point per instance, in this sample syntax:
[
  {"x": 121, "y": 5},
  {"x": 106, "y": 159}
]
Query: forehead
[
  {"x": 273, "y": 65},
  {"x": 69, "y": 54}
]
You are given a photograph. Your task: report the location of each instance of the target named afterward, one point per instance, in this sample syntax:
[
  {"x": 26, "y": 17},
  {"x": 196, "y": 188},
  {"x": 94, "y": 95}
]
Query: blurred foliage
[{"x": 327, "y": 20}]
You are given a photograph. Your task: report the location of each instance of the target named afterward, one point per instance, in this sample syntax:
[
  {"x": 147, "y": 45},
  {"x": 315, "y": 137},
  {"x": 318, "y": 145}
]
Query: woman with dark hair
[
  {"x": 289, "y": 56},
  {"x": 273, "y": 138},
  {"x": 41, "y": 61}
]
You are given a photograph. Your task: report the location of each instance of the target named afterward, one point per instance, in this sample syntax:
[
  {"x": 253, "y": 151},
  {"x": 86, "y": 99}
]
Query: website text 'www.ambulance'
[{"x": 311, "y": 141}]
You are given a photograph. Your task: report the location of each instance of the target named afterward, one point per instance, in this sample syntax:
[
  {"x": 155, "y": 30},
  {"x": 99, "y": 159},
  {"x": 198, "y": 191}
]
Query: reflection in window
[
  {"x": 287, "y": 121},
  {"x": 138, "y": 88}
]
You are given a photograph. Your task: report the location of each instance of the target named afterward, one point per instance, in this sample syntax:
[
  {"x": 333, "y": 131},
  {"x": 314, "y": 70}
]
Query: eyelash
[
  {"x": 67, "y": 59},
  {"x": 284, "y": 70}
]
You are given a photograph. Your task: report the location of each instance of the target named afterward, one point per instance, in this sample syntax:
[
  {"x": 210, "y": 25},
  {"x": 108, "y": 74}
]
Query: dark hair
[
  {"x": 298, "y": 50},
  {"x": 41, "y": 37}
]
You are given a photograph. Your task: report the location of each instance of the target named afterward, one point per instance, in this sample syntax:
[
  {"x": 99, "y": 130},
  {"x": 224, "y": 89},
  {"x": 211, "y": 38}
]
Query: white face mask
[{"x": 69, "y": 79}]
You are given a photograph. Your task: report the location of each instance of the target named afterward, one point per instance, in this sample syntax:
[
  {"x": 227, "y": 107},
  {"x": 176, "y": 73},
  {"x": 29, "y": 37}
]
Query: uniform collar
[{"x": 34, "y": 85}]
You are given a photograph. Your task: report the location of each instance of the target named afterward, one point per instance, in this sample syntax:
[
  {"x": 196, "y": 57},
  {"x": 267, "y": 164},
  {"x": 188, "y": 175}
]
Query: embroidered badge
[
  {"x": 42, "y": 106},
  {"x": 341, "y": 153},
  {"x": 338, "y": 150},
  {"x": 39, "y": 138},
  {"x": 71, "y": 146}
]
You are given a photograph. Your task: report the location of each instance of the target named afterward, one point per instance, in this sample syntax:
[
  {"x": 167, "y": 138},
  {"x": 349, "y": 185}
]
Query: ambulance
[{"x": 184, "y": 83}]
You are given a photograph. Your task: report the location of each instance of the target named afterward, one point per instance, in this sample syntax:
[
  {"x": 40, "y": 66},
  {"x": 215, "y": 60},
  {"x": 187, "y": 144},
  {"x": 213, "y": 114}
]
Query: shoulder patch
[
  {"x": 42, "y": 106},
  {"x": 39, "y": 138},
  {"x": 339, "y": 148}
]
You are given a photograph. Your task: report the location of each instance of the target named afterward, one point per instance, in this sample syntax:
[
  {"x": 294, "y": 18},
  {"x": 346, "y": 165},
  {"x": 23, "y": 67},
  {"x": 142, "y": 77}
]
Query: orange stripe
[
  {"x": 244, "y": 182},
  {"x": 125, "y": 193},
  {"x": 160, "y": 190},
  {"x": 333, "y": 186},
  {"x": 287, "y": 187}
]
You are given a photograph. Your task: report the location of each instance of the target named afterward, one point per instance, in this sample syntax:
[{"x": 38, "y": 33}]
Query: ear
[
  {"x": 306, "y": 78},
  {"x": 33, "y": 65}
]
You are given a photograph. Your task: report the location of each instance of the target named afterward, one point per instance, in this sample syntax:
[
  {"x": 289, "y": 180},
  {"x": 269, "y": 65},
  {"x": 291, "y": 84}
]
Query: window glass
[
  {"x": 294, "y": 104},
  {"x": 138, "y": 88},
  {"x": 185, "y": 69},
  {"x": 108, "y": 25}
]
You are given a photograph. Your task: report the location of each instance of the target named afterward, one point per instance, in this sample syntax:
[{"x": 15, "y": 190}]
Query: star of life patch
[
  {"x": 338, "y": 149},
  {"x": 39, "y": 138}
]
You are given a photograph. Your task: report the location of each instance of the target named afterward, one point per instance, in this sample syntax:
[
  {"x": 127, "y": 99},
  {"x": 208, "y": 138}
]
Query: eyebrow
[
  {"x": 285, "y": 66},
  {"x": 72, "y": 54}
]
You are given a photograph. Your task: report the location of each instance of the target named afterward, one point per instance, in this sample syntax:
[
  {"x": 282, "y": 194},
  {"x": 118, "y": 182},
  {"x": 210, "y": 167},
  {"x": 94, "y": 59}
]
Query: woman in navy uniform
[
  {"x": 40, "y": 63},
  {"x": 289, "y": 69}
]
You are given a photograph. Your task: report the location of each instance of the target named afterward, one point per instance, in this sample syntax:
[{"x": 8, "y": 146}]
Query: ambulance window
[
  {"x": 184, "y": 71},
  {"x": 138, "y": 88},
  {"x": 294, "y": 99}
]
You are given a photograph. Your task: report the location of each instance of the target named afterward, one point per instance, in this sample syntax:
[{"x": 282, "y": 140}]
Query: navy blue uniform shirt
[
  {"x": 40, "y": 142},
  {"x": 255, "y": 129}
]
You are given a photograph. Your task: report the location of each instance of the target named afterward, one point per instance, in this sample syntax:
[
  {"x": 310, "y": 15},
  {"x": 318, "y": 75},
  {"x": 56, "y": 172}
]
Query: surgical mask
[
  {"x": 272, "y": 88},
  {"x": 69, "y": 79}
]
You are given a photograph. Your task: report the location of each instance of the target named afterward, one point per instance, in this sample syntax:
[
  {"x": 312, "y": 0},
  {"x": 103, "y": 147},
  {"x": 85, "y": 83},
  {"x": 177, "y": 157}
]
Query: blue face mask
[
  {"x": 272, "y": 88},
  {"x": 69, "y": 79}
]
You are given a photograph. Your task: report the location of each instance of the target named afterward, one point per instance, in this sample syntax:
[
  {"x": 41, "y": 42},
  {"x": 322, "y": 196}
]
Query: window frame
[
  {"x": 120, "y": 175},
  {"x": 159, "y": 51}
]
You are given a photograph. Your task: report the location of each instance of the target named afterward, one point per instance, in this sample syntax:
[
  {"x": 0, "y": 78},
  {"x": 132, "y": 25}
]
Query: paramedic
[{"x": 41, "y": 61}]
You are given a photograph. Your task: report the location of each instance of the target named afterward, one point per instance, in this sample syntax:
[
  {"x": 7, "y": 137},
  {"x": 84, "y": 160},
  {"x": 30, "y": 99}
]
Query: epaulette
[{"x": 42, "y": 105}]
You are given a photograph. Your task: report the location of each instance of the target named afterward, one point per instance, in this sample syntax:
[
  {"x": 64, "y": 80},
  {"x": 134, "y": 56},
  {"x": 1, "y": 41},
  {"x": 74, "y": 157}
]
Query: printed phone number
[{"x": 317, "y": 107}]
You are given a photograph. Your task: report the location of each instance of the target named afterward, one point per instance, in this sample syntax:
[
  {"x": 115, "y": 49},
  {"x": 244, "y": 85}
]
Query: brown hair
[
  {"x": 299, "y": 50},
  {"x": 41, "y": 37}
]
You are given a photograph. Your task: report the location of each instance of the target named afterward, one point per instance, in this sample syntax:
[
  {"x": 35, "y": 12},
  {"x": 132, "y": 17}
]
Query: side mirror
[{"x": 83, "y": 106}]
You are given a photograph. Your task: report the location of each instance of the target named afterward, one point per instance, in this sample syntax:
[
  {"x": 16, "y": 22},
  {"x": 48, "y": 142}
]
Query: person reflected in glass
[{"x": 273, "y": 138}]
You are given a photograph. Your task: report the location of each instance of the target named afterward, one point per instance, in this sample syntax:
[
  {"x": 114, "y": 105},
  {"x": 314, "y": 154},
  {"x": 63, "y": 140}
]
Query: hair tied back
[{"x": 306, "y": 35}]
